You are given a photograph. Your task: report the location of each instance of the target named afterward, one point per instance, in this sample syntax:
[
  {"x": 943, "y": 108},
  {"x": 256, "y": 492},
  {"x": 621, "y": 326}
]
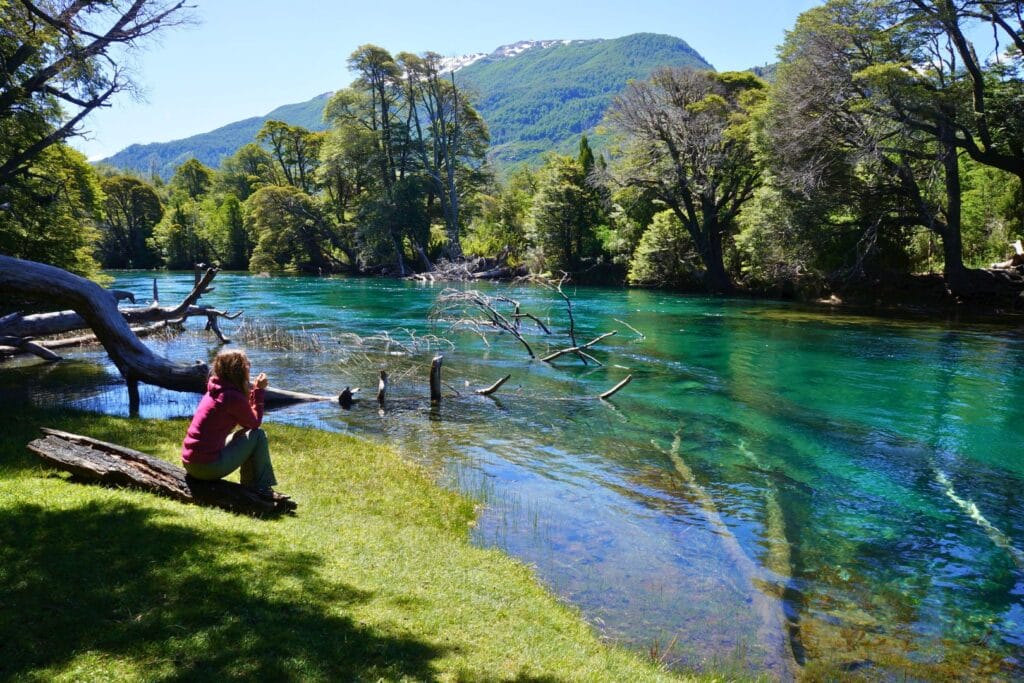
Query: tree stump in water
[{"x": 107, "y": 463}]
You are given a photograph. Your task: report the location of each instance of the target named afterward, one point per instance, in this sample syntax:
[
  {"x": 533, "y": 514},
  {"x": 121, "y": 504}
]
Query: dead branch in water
[
  {"x": 475, "y": 310},
  {"x": 494, "y": 387},
  {"x": 577, "y": 349},
  {"x": 614, "y": 390}
]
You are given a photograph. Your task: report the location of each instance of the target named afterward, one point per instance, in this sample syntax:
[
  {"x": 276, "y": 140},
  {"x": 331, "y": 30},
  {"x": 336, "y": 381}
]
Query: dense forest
[{"x": 889, "y": 142}]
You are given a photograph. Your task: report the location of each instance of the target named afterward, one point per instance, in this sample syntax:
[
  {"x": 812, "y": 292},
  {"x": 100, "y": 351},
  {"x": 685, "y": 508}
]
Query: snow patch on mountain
[{"x": 449, "y": 64}]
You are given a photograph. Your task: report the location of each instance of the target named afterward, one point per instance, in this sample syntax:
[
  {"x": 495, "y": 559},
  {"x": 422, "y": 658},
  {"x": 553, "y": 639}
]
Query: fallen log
[
  {"x": 133, "y": 359},
  {"x": 62, "y": 322},
  {"x": 107, "y": 463}
]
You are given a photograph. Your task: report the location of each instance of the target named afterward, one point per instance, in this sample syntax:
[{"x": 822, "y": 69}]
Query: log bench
[{"x": 98, "y": 461}]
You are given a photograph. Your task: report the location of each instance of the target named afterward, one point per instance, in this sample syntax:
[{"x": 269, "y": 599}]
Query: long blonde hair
[{"x": 231, "y": 366}]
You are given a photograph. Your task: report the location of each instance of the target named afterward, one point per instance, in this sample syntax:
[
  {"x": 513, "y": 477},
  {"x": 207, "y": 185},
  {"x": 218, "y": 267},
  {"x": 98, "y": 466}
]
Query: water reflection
[{"x": 775, "y": 487}]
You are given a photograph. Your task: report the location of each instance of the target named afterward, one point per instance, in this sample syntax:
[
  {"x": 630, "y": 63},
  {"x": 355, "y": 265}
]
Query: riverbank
[{"x": 375, "y": 578}]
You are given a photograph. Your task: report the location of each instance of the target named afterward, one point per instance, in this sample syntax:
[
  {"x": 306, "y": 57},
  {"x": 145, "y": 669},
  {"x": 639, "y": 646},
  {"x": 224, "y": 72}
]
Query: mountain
[
  {"x": 541, "y": 96},
  {"x": 536, "y": 96},
  {"x": 213, "y": 147}
]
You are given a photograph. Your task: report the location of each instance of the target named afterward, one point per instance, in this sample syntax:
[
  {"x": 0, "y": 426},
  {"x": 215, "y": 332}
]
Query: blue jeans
[{"x": 245, "y": 449}]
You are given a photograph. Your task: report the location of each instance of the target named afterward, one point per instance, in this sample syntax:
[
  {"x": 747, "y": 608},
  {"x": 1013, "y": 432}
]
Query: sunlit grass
[{"x": 374, "y": 578}]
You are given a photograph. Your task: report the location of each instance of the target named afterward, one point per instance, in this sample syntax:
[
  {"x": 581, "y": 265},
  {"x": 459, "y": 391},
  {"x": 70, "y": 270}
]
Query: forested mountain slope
[{"x": 536, "y": 96}]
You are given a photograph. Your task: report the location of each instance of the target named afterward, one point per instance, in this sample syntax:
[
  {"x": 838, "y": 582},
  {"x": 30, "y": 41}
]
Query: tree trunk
[
  {"x": 716, "y": 279},
  {"x": 94, "y": 460}
]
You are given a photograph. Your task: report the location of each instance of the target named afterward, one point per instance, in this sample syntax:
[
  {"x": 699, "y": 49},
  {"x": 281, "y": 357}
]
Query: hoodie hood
[{"x": 217, "y": 388}]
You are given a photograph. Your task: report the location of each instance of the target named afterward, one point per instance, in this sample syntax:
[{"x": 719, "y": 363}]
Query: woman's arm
[{"x": 248, "y": 413}]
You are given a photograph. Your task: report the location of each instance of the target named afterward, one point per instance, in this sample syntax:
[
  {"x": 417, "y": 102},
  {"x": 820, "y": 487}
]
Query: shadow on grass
[{"x": 127, "y": 584}]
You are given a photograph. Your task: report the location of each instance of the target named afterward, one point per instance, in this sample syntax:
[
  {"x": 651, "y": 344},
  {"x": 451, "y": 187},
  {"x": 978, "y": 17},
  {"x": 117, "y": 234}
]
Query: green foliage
[
  {"x": 665, "y": 256},
  {"x": 192, "y": 178},
  {"x": 295, "y": 152},
  {"x": 564, "y": 216},
  {"x": 52, "y": 215},
  {"x": 690, "y": 146},
  {"x": 131, "y": 209},
  {"x": 501, "y": 221},
  {"x": 291, "y": 231},
  {"x": 229, "y": 236},
  {"x": 993, "y": 214},
  {"x": 245, "y": 171},
  {"x": 179, "y": 236}
]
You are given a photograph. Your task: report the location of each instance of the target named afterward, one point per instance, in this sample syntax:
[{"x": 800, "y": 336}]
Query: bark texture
[{"x": 107, "y": 463}]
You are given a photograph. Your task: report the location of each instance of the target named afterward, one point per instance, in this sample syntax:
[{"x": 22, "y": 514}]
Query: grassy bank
[{"x": 374, "y": 579}]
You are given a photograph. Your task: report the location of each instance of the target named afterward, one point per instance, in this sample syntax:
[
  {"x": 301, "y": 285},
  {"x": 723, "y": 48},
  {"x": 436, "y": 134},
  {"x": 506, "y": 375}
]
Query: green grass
[{"x": 374, "y": 579}]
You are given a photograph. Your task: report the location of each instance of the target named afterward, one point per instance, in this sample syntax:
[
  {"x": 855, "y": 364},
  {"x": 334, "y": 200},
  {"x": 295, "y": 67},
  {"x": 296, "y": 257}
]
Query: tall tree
[
  {"x": 564, "y": 215},
  {"x": 192, "y": 178},
  {"x": 690, "y": 146},
  {"x": 373, "y": 103},
  {"x": 52, "y": 217},
  {"x": 245, "y": 171},
  {"x": 449, "y": 133},
  {"x": 295, "y": 150},
  {"x": 60, "y": 61},
  {"x": 895, "y": 88},
  {"x": 131, "y": 209}
]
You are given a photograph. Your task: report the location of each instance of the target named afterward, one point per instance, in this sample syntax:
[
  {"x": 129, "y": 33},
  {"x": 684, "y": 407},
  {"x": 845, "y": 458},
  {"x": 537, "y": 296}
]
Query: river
[{"x": 778, "y": 489}]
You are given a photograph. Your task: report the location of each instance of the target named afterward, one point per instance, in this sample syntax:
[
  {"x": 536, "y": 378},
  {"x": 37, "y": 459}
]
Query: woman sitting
[{"x": 208, "y": 451}]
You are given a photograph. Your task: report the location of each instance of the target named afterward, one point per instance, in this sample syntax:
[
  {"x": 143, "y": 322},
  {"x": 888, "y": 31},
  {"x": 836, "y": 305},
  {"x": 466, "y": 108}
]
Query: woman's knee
[{"x": 259, "y": 434}]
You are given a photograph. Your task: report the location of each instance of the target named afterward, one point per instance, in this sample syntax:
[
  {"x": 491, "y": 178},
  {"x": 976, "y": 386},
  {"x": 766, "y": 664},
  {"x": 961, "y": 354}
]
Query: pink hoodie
[{"x": 220, "y": 410}]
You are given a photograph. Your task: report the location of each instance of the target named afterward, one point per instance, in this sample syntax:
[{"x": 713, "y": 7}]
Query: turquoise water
[{"x": 778, "y": 488}]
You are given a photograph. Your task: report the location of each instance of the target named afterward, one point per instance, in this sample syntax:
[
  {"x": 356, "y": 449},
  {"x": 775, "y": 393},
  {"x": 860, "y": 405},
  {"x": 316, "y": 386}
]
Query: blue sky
[{"x": 245, "y": 57}]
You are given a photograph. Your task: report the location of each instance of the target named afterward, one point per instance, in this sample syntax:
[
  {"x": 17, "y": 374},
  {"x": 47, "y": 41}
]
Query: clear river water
[{"x": 778, "y": 488}]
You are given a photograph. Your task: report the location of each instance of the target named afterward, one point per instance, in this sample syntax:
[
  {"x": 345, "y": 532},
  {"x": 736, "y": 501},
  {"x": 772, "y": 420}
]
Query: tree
[
  {"x": 292, "y": 232},
  {"x": 690, "y": 146},
  {"x": 449, "y": 133},
  {"x": 229, "y": 237},
  {"x": 192, "y": 178},
  {"x": 891, "y": 92},
  {"x": 131, "y": 209},
  {"x": 53, "y": 217},
  {"x": 665, "y": 255},
  {"x": 373, "y": 103},
  {"x": 564, "y": 216},
  {"x": 59, "y": 61},
  {"x": 245, "y": 171},
  {"x": 296, "y": 151}
]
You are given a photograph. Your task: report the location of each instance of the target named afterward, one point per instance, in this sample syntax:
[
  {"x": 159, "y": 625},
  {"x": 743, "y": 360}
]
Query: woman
[{"x": 208, "y": 451}]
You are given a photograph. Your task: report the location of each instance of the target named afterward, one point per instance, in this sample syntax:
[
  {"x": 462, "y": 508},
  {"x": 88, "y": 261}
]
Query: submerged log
[{"x": 107, "y": 463}]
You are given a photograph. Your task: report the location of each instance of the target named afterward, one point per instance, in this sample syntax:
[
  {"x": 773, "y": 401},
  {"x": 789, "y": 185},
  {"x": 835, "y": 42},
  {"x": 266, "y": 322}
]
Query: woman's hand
[{"x": 262, "y": 381}]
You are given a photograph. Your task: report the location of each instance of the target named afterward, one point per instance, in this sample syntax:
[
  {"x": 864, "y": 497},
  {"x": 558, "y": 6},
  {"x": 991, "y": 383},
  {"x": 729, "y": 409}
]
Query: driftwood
[
  {"x": 614, "y": 390},
  {"x": 107, "y": 463},
  {"x": 62, "y": 322},
  {"x": 435, "y": 379},
  {"x": 494, "y": 387},
  {"x": 10, "y": 346},
  {"x": 133, "y": 359},
  {"x": 578, "y": 349}
]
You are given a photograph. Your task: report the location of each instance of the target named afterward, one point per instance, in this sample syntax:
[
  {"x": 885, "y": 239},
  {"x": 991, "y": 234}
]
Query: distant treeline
[{"x": 887, "y": 142}]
